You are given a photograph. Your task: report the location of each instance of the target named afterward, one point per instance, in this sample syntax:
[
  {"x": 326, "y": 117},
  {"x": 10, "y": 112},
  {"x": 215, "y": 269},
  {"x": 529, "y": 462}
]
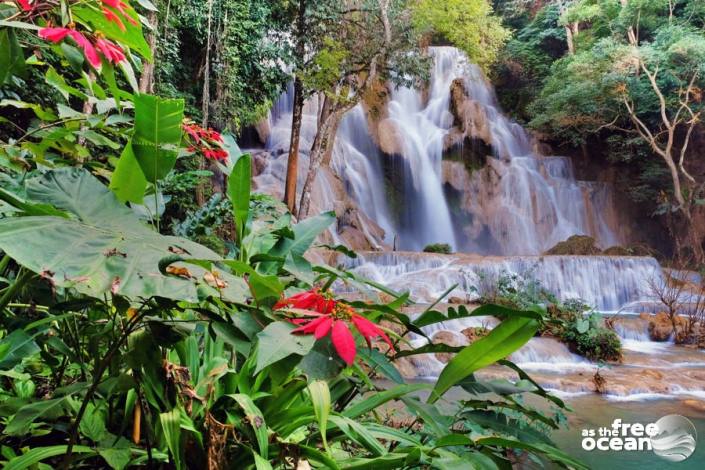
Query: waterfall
[
  {"x": 608, "y": 283},
  {"x": 520, "y": 204}
]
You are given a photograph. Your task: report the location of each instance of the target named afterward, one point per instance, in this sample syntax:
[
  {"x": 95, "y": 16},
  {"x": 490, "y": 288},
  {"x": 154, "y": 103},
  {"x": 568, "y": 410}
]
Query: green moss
[
  {"x": 442, "y": 248},
  {"x": 575, "y": 245}
]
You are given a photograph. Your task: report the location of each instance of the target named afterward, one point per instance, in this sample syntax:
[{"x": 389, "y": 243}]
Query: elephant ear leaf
[{"x": 104, "y": 248}]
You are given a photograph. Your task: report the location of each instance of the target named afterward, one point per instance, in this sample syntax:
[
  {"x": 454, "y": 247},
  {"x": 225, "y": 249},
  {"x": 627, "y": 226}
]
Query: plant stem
[
  {"x": 100, "y": 369},
  {"x": 10, "y": 291}
]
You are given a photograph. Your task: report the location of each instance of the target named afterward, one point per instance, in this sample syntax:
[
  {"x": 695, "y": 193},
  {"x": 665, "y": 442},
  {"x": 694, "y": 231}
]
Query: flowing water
[{"x": 507, "y": 213}]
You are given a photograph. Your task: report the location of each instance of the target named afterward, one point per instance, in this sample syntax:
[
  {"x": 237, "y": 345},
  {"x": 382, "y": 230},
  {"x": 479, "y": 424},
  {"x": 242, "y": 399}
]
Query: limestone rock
[{"x": 449, "y": 338}]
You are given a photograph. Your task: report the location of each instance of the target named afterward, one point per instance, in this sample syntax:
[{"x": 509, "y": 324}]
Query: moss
[
  {"x": 471, "y": 151},
  {"x": 617, "y": 251},
  {"x": 442, "y": 248},
  {"x": 575, "y": 245}
]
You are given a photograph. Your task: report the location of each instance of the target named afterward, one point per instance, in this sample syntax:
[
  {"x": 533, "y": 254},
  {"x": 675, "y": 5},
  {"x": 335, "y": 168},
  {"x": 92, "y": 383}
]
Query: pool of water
[{"x": 593, "y": 411}]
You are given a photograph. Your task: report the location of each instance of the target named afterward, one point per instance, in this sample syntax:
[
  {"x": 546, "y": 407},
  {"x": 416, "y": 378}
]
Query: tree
[
  {"x": 468, "y": 24},
  {"x": 640, "y": 74},
  {"x": 370, "y": 43}
]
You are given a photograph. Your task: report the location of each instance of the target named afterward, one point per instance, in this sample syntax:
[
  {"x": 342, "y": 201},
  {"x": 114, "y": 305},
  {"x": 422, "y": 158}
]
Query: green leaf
[
  {"x": 15, "y": 347},
  {"x": 37, "y": 454},
  {"x": 276, "y": 342},
  {"x": 320, "y": 399},
  {"x": 93, "y": 424},
  {"x": 239, "y": 187},
  {"x": 376, "y": 400},
  {"x": 128, "y": 182},
  {"x": 265, "y": 287},
  {"x": 171, "y": 426},
  {"x": 106, "y": 249},
  {"x": 503, "y": 340},
  {"x": 256, "y": 419},
  {"x": 19, "y": 425},
  {"x": 305, "y": 232},
  {"x": 358, "y": 433},
  {"x": 552, "y": 453},
  {"x": 157, "y": 135},
  {"x": 132, "y": 37},
  {"x": 117, "y": 458},
  {"x": 11, "y": 56},
  {"x": 380, "y": 363}
]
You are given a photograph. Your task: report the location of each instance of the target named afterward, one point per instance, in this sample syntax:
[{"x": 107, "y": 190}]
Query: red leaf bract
[
  {"x": 369, "y": 330},
  {"x": 323, "y": 327},
  {"x": 343, "y": 341},
  {"x": 54, "y": 34}
]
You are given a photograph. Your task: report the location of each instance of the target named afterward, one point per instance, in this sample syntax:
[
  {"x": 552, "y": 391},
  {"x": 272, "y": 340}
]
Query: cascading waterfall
[{"x": 533, "y": 202}]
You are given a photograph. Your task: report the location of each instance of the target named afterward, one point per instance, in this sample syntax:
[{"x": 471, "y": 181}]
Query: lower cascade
[{"x": 443, "y": 165}]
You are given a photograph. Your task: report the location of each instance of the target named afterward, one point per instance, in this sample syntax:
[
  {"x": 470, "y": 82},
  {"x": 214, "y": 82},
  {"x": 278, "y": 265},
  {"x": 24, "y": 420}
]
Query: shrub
[
  {"x": 442, "y": 248},
  {"x": 587, "y": 337}
]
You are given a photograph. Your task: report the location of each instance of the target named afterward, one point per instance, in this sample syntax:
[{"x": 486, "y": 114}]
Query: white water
[{"x": 532, "y": 202}]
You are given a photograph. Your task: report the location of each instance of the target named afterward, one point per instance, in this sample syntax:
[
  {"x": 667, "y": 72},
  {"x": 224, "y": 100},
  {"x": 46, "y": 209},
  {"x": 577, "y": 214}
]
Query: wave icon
[{"x": 676, "y": 438}]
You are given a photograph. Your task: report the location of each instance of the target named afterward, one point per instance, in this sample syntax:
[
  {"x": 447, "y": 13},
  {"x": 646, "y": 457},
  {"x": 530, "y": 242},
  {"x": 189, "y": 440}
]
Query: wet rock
[
  {"x": 575, "y": 245},
  {"x": 389, "y": 138},
  {"x": 474, "y": 333},
  {"x": 660, "y": 327},
  {"x": 449, "y": 338},
  {"x": 456, "y": 300},
  {"x": 695, "y": 404}
]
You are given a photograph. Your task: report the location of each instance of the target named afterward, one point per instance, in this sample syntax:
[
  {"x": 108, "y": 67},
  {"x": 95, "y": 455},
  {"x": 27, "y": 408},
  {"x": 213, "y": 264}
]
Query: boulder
[
  {"x": 449, "y": 338},
  {"x": 474, "y": 333},
  {"x": 661, "y": 327},
  {"x": 575, "y": 245},
  {"x": 697, "y": 405}
]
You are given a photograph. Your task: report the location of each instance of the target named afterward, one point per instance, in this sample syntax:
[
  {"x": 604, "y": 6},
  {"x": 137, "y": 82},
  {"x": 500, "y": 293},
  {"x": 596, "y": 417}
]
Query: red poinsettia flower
[
  {"x": 25, "y": 5},
  {"x": 192, "y": 130},
  {"x": 88, "y": 49},
  {"x": 310, "y": 300},
  {"x": 110, "y": 50},
  {"x": 113, "y": 18},
  {"x": 120, "y": 6},
  {"x": 334, "y": 321},
  {"x": 54, "y": 34}
]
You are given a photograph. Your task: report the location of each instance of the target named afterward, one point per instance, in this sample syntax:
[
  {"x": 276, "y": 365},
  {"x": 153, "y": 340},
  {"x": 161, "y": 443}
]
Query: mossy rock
[
  {"x": 617, "y": 251},
  {"x": 442, "y": 248},
  {"x": 575, "y": 245}
]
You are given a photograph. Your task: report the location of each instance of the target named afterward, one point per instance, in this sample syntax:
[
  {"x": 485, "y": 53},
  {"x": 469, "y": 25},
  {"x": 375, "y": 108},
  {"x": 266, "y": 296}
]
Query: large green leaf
[
  {"x": 128, "y": 181},
  {"x": 320, "y": 398},
  {"x": 47, "y": 409},
  {"x": 105, "y": 248},
  {"x": 11, "y": 57},
  {"x": 37, "y": 454},
  {"x": 503, "y": 340},
  {"x": 276, "y": 342},
  {"x": 305, "y": 232},
  {"x": 551, "y": 452},
  {"x": 15, "y": 347},
  {"x": 171, "y": 427},
  {"x": 239, "y": 186},
  {"x": 157, "y": 134},
  {"x": 256, "y": 419}
]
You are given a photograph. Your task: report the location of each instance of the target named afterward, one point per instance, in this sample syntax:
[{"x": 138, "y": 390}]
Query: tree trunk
[
  {"x": 146, "y": 84},
  {"x": 205, "y": 99},
  {"x": 321, "y": 144},
  {"x": 292, "y": 164},
  {"x": 569, "y": 39}
]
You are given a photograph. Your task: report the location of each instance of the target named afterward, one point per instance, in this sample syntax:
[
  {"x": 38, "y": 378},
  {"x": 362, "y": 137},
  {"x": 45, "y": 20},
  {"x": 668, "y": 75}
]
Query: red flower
[
  {"x": 192, "y": 130},
  {"x": 54, "y": 34},
  {"x": 26, "y": 6},
  {"x": 120, "y": 6},
  {"x": 218, "y": 154},
  {"x": 111, "y": 51},
  {"x": 213, "y": 135},
  {"x": 334, "y": 321},
  {"x": 88, "y": 49},
  {"x": 112, "y": 17},
  {"x": 309, "y": 300}
]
